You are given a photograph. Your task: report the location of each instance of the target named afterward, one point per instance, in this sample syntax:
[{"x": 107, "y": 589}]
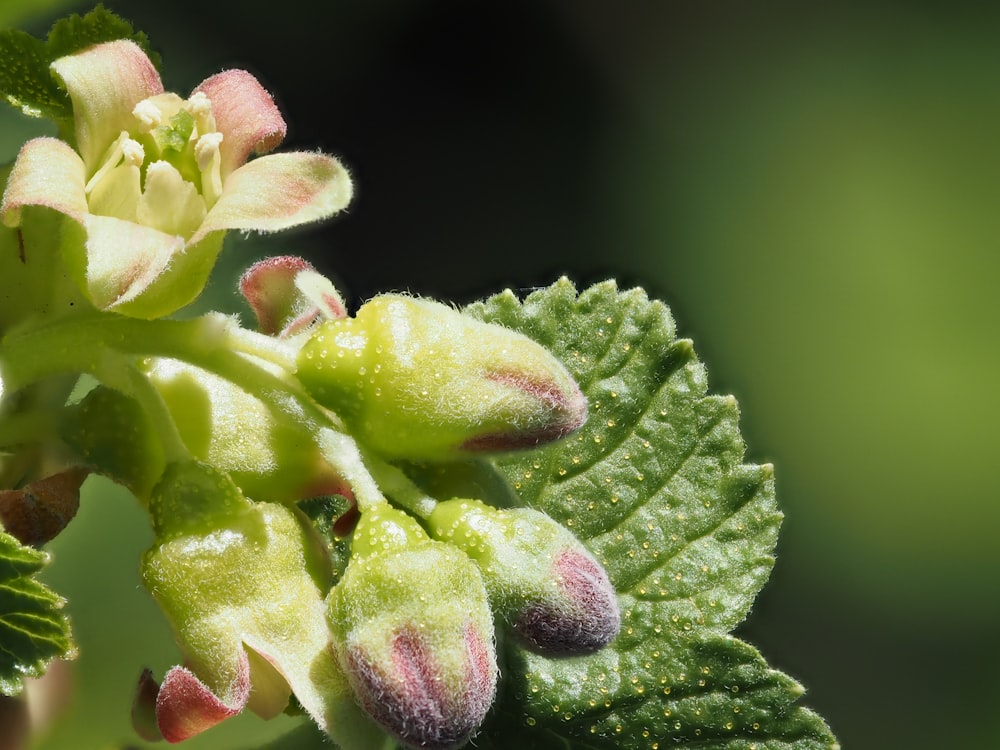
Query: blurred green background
[{"x": 813, "y": 189}]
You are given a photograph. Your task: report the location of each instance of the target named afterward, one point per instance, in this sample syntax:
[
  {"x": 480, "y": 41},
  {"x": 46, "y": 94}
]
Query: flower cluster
[{"x": 380, "y": 618}]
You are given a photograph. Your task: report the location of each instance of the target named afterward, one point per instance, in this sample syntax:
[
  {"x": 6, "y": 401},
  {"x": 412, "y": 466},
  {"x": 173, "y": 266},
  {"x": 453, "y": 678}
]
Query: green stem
[
  {"x": 79, "y": 343},
  {"x": 342, "y": 453},
  {"x": 371, "y": 478},
  {"x": 400, "y": 487}
]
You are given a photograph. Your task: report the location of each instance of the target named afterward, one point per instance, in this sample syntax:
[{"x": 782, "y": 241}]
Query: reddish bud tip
[
  {"x": 416, "y": 699},
  {"x": 566, "y": 409},
  {"x": 584, "y": 619},
  {"x": 185, "y": 706}
]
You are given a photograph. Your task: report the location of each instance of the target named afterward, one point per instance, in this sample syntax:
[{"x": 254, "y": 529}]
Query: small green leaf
[
  {"x": 75, "y": 32},
  {"x": 33, "y": 630},
  {"x": 25, "y": 79},
  {"x": 656, "y": 486}
]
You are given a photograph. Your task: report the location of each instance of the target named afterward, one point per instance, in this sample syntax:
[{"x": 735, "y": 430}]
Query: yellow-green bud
[
  {"x": 242, "y": 586},
  {"x": 414, "y": 633},
  {"x": 417, "y": 379}
]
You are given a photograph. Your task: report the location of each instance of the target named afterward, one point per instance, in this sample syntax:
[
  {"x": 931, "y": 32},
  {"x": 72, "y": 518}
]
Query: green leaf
[
  {"x": 656, "y": 485},
  {"x": 25, "y": 79},
  {"x": 715, "y": 692},
  {"x": 33, "y": 630}
]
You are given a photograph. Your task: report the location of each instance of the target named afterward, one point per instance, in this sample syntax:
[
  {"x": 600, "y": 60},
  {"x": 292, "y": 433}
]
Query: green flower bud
[
  {"x": 241, "y": 585},
  {"x": 270, "y": 456},
  {"x": 539, "y": 576},
  {"x": 414, "y": 633},
  {"x": 420, "y": 380},
  {"x": 116, "y": 438}
]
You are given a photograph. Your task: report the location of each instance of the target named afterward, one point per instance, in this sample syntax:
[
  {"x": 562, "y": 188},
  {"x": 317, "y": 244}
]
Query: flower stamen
[{"x": 209, "y": 159}]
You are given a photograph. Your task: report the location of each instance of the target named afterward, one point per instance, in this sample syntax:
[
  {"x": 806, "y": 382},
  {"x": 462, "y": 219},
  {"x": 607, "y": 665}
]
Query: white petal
[
  {"x": 105, "y": 82},
  {"x": 117, "y": 193},
  {"x": 47, "y": 173}
]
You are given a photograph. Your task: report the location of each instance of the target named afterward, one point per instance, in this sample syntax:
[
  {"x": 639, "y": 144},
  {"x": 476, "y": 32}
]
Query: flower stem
[
  {"x": 400, "y": 487},
  {"x": 79, "y": 344}
]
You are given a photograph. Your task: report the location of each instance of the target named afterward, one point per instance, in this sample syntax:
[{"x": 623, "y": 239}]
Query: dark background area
[{"x": 813, "y": 190}]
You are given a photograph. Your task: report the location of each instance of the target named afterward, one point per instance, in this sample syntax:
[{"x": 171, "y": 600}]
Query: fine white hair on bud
[
  {"x": 556, "y": 597},
  {"x": 413, "y": 631},
  {"x": 417, "y": 379}
]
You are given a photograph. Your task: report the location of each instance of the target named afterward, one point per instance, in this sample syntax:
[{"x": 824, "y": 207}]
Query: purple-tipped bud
[
  {"x": 414, "y": 633},
  {"x": 415, "y": 379},
  {"x": 584, "y": 617},
  {"x": 539, "y": 576},
  {"x": 417, "y": 696}
]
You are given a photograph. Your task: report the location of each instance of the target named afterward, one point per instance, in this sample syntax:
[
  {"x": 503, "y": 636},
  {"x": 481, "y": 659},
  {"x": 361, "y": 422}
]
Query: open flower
[{"x": 156, "y": 180}]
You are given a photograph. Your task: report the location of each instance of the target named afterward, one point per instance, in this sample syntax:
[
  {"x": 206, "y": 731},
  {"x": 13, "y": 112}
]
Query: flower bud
[
  {"x": 115, "y": 436},
  {"x": 416, "y": 379},
  {"x": 539, "y": 576},
  {"x": 269, "y": 455},
  {"x": 242, "y": 585},
  {"x": 414, "y": 633}
]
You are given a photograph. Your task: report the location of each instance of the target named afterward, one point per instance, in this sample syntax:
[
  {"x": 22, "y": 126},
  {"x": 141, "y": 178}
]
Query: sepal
[{"x": 288, "y": 295}]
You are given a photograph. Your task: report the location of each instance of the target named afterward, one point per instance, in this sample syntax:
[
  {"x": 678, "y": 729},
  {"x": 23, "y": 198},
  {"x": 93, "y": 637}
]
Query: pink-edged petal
[
  {"x": 123, "y": 259},
  {"x": 319, "y": 290},
  {"x": 245, "y": 114},
  {"x": 105, "y": 82},
  {"x": 183, "y": 273},
  {"x": 278, "y": 191},
  {"x": 47, "y": 173},
  {"x": 269, "y": 288},
  {"x": 185, "y": 706},
  {"x": 288, "y": 295}
]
